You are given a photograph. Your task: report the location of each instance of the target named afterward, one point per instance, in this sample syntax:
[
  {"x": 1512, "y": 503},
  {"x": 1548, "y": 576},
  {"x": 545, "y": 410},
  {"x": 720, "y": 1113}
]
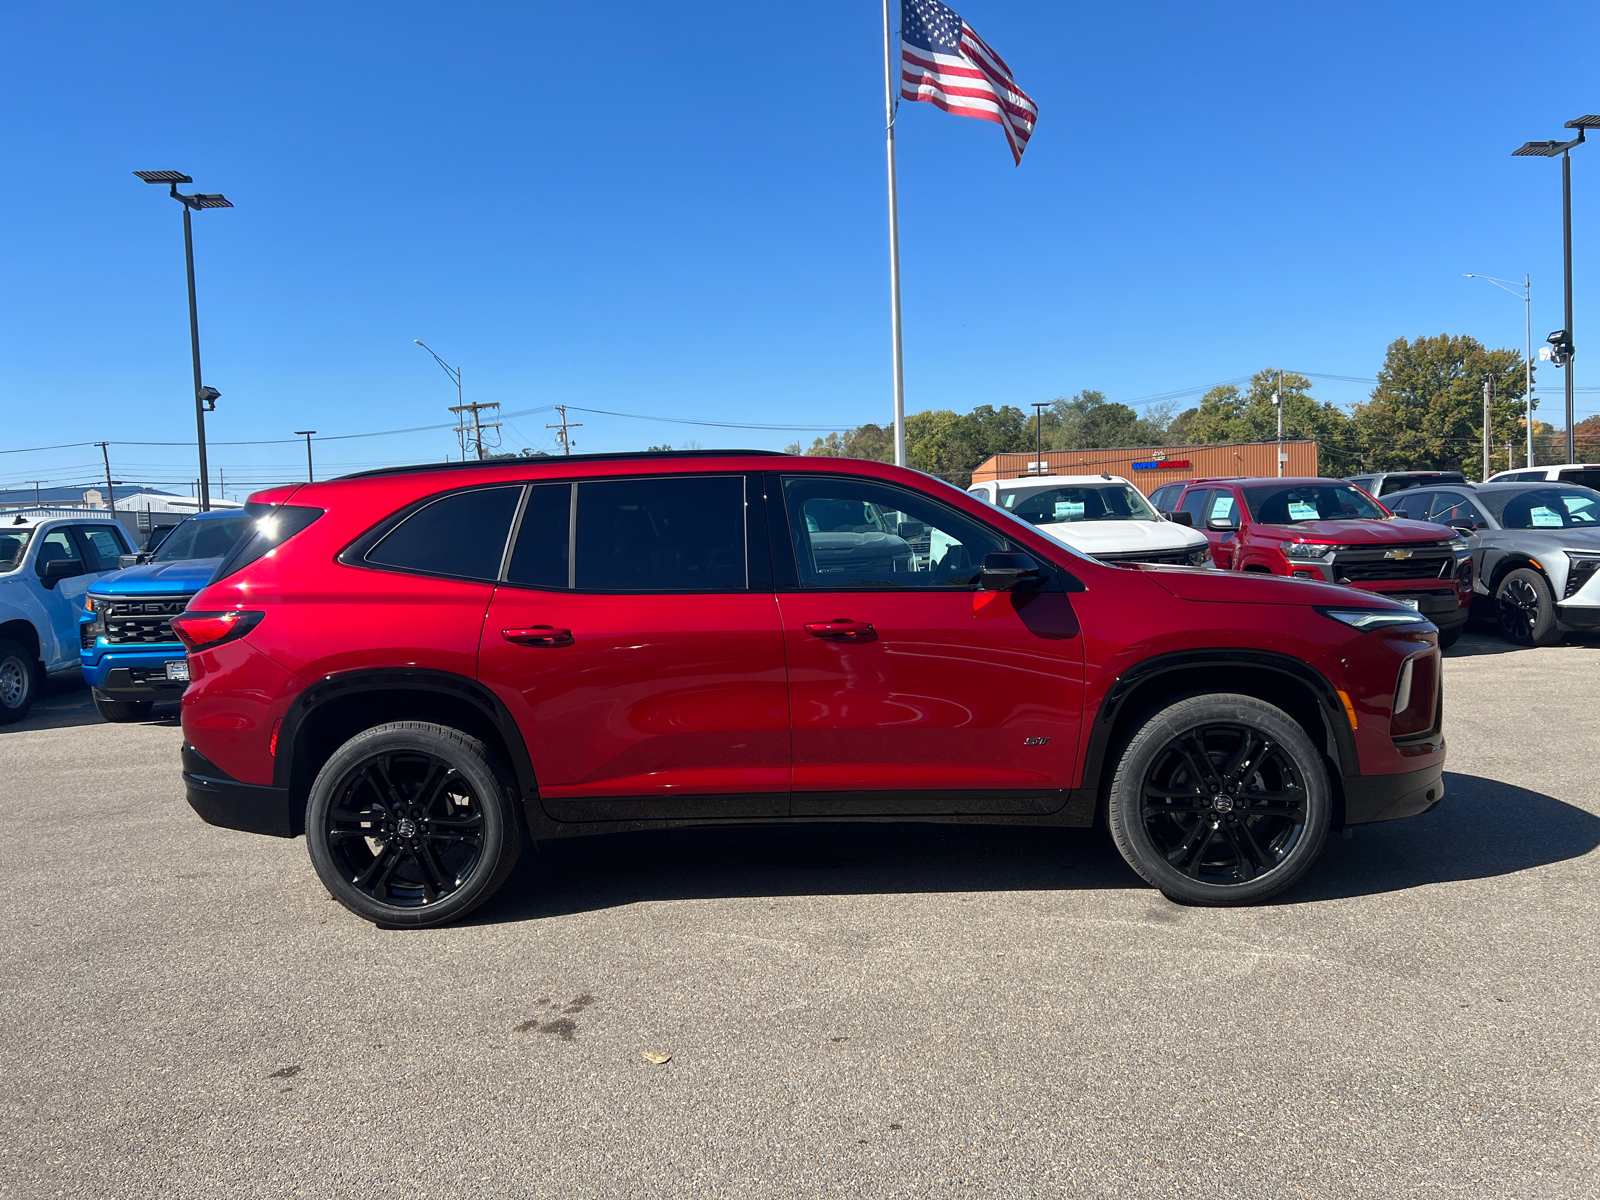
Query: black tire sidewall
[
  {"x": 30, "y": 672},
  {"x": 502, "y": 830},
  {"x": 1123, "y": 807},
  {"x": 1544, "y": 629}
]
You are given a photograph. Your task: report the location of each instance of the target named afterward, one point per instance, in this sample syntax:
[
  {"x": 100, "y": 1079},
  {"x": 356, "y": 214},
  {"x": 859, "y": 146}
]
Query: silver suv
[{"x": 1536, "y": 550}]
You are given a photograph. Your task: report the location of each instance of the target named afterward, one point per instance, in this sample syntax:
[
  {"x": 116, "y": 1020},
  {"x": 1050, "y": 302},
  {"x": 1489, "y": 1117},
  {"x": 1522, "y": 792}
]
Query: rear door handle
[
  {"x": 842, "y": 629},
  {"x": 538, "y": 635}
]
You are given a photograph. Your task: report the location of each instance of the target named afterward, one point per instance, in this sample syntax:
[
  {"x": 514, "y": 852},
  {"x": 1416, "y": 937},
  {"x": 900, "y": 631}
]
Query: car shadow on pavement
[
  {"x": 1483, "y": 828},
  {"x": 65, "y": 702}
]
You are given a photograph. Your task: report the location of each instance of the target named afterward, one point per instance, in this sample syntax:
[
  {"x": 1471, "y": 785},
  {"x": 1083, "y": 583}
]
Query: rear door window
[
  {"x": 543, "y": 553},
  {"x": 662, "y": 534},
  {"x": 462, "y": 535},
  {"x": 1584, "y": 476}
]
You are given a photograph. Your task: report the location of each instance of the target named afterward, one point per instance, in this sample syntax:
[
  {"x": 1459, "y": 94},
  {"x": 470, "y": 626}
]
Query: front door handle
[
  {"x": 538, "y": 635},
  {"x": 842, "y": 629}
]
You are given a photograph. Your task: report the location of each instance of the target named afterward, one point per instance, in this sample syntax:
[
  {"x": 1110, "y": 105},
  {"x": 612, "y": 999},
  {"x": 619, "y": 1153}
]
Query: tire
[
  {"x": 124, "y": 710},
  {"x": 1449, "y": 637},
  {"x": 413, "y": 824},
  {"x": 1173, "y": 841},
  {"x": 1525, "y": 609},
  {"x": 19, "y": 681}
]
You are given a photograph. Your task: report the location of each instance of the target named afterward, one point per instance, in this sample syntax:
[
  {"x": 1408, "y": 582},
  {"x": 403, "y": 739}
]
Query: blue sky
[{"x": 678, "y": 210}]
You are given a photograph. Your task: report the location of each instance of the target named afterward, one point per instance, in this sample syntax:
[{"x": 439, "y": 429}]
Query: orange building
[{"x": 1148, "y": 467}]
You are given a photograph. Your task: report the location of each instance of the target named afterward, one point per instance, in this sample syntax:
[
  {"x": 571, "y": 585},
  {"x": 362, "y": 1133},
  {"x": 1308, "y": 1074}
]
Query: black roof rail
[{"x": 543, "y": 459}]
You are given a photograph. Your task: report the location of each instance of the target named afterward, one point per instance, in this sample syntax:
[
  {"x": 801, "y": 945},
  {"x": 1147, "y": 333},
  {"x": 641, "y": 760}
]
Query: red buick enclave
[{"x": 420, "y": 667}]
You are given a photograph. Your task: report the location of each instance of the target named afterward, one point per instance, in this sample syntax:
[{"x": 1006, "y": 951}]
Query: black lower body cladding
[{"x": 222, "y": 800}]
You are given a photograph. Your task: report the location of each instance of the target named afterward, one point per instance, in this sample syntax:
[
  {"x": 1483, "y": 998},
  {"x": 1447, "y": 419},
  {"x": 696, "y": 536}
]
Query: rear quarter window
[{"x": 461, "y": 535}]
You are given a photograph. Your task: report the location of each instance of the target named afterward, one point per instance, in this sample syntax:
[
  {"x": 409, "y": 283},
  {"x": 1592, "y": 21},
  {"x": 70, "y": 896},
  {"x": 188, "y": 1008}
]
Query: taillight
[{"x": 203, "y": 630}]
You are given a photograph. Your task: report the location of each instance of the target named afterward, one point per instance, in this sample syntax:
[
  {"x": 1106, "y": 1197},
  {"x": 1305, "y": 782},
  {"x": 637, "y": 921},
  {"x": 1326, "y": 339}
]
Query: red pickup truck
[{"x": 1331, "y": 531}]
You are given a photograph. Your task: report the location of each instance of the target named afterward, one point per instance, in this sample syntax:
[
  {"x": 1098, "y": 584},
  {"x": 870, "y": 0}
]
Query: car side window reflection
[
  {"x": 852, "y": 533},
  {"x": 1454, "y": 508}
]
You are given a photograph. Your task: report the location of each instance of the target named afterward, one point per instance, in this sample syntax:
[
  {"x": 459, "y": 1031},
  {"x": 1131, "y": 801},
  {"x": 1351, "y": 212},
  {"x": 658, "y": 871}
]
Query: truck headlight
[
  {"x": 1200, "y": 557},
  {"x": 1459, "y": 545},
  {"x": 1305, "y": 550}
]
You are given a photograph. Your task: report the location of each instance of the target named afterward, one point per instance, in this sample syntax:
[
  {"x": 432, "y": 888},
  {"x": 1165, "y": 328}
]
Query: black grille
[
  {"x": 1374, "y": 563},
  {"x": 143, "y": 622},
  {"x": 1169, "y": 558}
]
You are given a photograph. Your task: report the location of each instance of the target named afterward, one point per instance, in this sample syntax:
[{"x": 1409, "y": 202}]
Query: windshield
[
  {"x": 13, "y": 542},
  {"x": 196, "y": 538},
  {"x": 1077, "y": 502},
  {"x": 1545, "y": 508},
  {"x": 1289, "y": 504}
]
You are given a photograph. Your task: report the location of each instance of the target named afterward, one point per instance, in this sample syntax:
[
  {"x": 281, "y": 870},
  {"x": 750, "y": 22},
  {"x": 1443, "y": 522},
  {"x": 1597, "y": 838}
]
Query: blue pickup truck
[{"x": 130, "y": 657}]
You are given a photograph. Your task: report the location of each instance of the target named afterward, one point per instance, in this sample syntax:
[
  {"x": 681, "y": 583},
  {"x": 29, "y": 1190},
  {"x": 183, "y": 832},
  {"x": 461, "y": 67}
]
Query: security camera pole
[{"x": 201, "y": 400}]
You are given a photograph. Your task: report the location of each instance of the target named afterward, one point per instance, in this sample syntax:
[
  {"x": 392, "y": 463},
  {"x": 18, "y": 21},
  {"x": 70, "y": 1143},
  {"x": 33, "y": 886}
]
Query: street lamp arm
[
  {"x": 1505, "y": 285},
  {"x": 455, "y": 375}
]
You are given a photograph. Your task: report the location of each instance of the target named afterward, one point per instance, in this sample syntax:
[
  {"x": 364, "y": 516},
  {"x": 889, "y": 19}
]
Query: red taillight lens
[{"x": 203, "y": 630}]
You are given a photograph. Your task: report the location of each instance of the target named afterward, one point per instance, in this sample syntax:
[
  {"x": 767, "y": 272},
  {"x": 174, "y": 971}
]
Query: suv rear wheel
[
  {"x": 1220, "y": 799},
  {"x": 19, "y": 682},
  {"x": 412, "y": 824}
]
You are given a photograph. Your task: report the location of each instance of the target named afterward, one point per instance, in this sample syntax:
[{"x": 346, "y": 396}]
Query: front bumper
[
  {"x": 133, "y": 674},
  {"x": 222, "y": 800},
  {"x": 1369, "y": 798}
]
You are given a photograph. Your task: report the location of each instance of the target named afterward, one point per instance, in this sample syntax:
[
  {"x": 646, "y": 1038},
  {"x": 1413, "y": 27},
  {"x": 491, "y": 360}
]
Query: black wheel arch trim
[
  {"x": 294, "y": 730},
  {"x": 1346, "y": 761}
]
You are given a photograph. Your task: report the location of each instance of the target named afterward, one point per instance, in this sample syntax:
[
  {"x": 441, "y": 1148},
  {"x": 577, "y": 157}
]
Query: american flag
[{"x": 943, "y": 61}]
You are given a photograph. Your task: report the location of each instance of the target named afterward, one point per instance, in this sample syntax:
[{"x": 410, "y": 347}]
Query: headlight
[
  {"x": 1305, "y": 550},
  {"x": 1581, "y": 569},
  {"x": 1459, "y": 545},
  {"x": 1200, "y": 557},
  {"x": 1373, "y": 618}
]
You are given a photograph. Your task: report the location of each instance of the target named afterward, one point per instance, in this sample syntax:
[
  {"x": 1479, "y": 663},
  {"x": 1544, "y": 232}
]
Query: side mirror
[
  {"x": 1222, "y": 524},
  {"x": 1464, "y": 526},
  {"x": 128, "y": 560},
  {"x": 1181, "y": 518},
  {"x": 1010, "y": 571},
  {"x": 58, "y": 569},
  {"x": 911, "y": 530}
]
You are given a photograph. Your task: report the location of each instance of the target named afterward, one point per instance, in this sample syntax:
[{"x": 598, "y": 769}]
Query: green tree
[
  {"x": 1089, "y": 421},
  {"x": 1227, "y": 414},
  {"x": 1427, "y": 411}
]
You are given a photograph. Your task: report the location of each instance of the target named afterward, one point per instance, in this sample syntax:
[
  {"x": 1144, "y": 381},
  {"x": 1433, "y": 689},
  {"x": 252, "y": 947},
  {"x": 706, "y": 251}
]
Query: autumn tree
[
  {"x": 1427, "y": 411},
  {"x": 1227, "y": 414}
]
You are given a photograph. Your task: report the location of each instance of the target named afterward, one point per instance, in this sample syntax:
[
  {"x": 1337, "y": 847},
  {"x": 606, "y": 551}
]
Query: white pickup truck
[{"x": 47, "y": 562}]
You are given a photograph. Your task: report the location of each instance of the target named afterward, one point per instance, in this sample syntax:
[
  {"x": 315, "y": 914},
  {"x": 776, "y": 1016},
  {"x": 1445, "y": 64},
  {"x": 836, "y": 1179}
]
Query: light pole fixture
[
  {"x": 202, "y": 400},
  {"x": 306, "y": 433},
  {"x": 455, "y": 377},
  {"x": 1561, "y": 340},
  {"x": 1526, "y": 289}
]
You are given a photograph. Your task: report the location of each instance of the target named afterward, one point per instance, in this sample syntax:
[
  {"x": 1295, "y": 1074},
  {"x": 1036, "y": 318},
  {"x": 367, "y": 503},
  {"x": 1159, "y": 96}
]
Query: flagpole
[{"x": 894, "y": 252}]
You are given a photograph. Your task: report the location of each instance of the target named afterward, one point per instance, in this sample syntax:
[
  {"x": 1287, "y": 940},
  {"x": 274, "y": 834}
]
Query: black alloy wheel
[
  {"x": 1525, "y": 609},
  {"x": 1223, "y": 803},
  {"x": 1220, "y": 799},
  {"x": 412, "y": 824}
]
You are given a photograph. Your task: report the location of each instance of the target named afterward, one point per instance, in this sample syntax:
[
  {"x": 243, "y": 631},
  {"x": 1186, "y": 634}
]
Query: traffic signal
[{"x": 1560, "y": 347}]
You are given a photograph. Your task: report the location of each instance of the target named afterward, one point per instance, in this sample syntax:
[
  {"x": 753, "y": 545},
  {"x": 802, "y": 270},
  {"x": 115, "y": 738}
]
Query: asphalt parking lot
[{"x": 875, "y": 1011}]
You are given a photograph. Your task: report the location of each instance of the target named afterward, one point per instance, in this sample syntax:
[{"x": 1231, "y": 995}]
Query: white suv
[
  {"x": 1583, "y": 474},
  {"x": 1098, "y": 515},
  {"x": 47, "y": 562}
]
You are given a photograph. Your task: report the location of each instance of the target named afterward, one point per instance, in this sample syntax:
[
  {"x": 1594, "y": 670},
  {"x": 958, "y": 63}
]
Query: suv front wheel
[
  {"x": 1220, "y": 799},
  {"x": 412, "y": 824}
]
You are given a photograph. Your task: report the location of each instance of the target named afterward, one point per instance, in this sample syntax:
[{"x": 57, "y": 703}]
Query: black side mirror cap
[
  {"x": 1010, "y": 571},
  {"x": 58, "y": 569},
  {"x": 1181, "y": 518}
]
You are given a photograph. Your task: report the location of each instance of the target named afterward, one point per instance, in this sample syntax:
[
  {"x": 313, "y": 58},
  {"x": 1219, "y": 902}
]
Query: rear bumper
[
  {"x": 1369, "y": 798},
  {"x": 222, "y": 800}
]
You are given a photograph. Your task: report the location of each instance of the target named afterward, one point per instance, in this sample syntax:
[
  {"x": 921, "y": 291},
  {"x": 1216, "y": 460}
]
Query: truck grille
[
  {"x": 1371, "y": 563},
  {"x": 143, "y": 622},
  {"x": 1171, "y": 558}
]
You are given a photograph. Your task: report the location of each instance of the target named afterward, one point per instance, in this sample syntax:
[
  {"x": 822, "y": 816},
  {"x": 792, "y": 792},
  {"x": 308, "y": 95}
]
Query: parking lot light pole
[
  {"x": 306, "y": 433},
  {"x": 197, "y": 201},
  {"x": 1526, "y": 296}
]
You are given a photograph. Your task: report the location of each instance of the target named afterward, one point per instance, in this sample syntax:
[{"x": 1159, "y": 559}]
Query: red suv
[
  {"x": 1331, "y": 531},
  {"x": 415, "y": 666}
]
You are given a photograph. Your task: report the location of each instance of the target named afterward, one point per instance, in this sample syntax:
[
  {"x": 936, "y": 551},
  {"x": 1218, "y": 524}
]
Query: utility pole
[
  {"x": 1277, "y": 403},
  {"x": 306, "y": 433},
  {"x": 561, "y": 430},
  {"x": 478, "y": 426},
  {"x": 36, "y": 483},
  {"x": 105, "y": 456},
  {"x": 1488, "y": 412}
]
